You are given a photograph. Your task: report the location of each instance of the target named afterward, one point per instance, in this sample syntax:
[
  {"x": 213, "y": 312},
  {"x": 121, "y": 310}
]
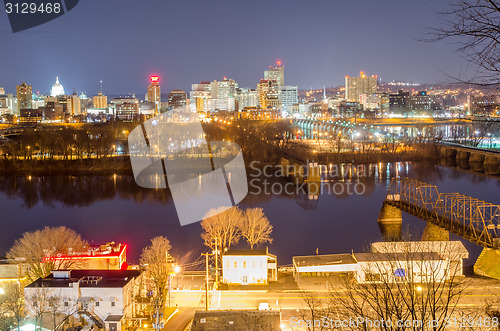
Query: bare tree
[
  {"x": 255, "y": 227},
  {"x": 412, "y": 286},
  {"x": 12, "y": 308},
  {"x": 222, "y": 230},
  {"x": 155, "y": 259},
  {"x": 475, "y": 24},
  {"x": 41, "y": 250},
  {"x": 38, "y": 303},
  {"x": 315, "y": 314}
]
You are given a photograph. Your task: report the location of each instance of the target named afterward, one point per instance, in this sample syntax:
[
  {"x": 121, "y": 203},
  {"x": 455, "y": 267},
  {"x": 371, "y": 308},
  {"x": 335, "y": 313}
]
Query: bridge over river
[{"x": 472, "y": 219}]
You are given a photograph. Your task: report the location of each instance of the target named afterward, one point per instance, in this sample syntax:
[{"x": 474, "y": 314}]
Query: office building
[
  {"x": 24, "y": 96},
  {"x": 268, "y": 94},
  {"x": 75, "y": 104},
  {"x": 126, "y": 109},
  {"x": 177, "y": 99},
  {"x": 288, "y": 95},
  {"x": 246, "y": 97},
  {"x": 276, "y": 73},
  {"x": 222, "y": 89},
  {"x": 420, "y": 101},
  {"x": 100, "y": 101},
  {"x": 483, "y": 104},
  {"x": 355, "y": 86},
  {"x": 154, "y": 94}
]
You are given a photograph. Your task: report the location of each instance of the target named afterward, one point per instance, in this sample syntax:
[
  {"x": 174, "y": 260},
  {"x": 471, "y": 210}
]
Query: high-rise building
[
  {"x": 199, "y": 95},
  {"x": 74, "y": 100},
  {"x": 7, "y": 103},
  {"x": 127, "y": 109},
  {"x": 421, "y": 101},
  {"x": 482, "y": 104},
  {"x": 100, "y": 101},
  {"x": 276, "y": 73},
  {"x": 246, "y": 97},
  {"x": 154, "y": 94},
  {"x": 288, "y": 95},
  {"x": 177, "y": 99},
  {"x": 24, "y": 96},
  {"x": 268, "y": 93},
  {"x": 222, "y": 89},
  {"x": 355, "y": 86}
]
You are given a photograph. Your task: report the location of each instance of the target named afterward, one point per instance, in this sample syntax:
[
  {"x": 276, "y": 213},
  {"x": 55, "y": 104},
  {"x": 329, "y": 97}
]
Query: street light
[{"x": 2, "y": 291}]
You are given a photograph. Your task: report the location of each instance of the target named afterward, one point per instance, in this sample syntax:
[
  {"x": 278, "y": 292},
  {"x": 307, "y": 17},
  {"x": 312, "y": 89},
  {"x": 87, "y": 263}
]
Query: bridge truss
[{"x": 473, "y": 219}]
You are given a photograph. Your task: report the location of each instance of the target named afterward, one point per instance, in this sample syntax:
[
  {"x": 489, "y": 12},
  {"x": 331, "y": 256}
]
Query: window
[
  {"x": 253, "y": 264},
  {"x": 227, "y": 264},
  {"x": 112, "y": 304},
  {"x": 66, "y": 304},
  {"x": 235, "y": 264},
  {"x": 97, "y": 303},
  {"x": 371, "y": 277},
  {"x": 244, "y": 264}
]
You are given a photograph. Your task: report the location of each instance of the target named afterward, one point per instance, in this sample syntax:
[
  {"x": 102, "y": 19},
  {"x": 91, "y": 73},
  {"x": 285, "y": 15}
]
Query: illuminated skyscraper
[
  {"x": 268, "y": 93},
  {"x": 276, "y": 73},
  {"x": 355, "y": 86},
  {"x": 222, "y": 89},
  {"x": 74, "y": 100},
  {"x": 289, "y": 95},
  {"x": 154, "y": 94},
  {"x": 100, "y": 101},
  {"x": 24, "y": 96}
]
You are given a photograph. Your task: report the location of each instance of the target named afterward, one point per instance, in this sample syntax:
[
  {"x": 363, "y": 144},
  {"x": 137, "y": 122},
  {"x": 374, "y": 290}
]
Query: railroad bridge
[{"x": 470, "y": 218}]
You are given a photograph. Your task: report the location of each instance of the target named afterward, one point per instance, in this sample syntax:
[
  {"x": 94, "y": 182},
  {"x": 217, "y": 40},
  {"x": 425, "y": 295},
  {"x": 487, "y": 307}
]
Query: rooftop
[
  {"x": 249, "y": 252},
  {"x": 399, "y": 257},
  {"x": 317, "y": 260},
  {"x": 87, "y": 278}
]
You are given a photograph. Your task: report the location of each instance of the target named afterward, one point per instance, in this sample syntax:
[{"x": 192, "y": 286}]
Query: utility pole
[
  {"x": 217, "y": 262},
  {"x": 206, "y": 280}
]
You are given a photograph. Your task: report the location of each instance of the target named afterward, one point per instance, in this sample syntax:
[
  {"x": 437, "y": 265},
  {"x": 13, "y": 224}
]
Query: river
[{"x": 114, "y": 208}]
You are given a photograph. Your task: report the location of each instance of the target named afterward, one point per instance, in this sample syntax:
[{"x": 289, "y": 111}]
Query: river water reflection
[{"x": 114, "y": 208}]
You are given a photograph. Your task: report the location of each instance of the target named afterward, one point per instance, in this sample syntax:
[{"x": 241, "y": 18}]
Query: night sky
[{"x": 122, "y": 42}]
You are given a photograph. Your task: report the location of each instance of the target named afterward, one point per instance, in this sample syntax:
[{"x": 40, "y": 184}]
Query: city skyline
[{"x": 313, "y": 59}]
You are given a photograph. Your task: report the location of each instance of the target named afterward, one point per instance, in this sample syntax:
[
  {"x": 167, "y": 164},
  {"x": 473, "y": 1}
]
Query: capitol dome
[{"x": 57, "y": 89}]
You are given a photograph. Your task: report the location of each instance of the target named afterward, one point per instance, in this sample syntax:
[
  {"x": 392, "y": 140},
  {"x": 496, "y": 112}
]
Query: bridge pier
[
  {"x": 433, "y": 232},
  {"x": 491, "y": 165},
  {"x": 390, "y": 222}
]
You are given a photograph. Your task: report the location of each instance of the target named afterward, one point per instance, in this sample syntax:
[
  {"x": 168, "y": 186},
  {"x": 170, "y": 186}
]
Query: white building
[
  {"x": 323, "y": 265},
  {"x": 102, "y": 297},
  {"x": 244, "y": 266},
  {"x": 453, "y": 252},
  {"x": 8, "y": 103},
  {"x": 289, "y": 95},
  {"x": 57, "y": 89},
  {"x": 247, "y": 97},
  {"x": 425, "y": 267},
  {"x": 389, "y": 262}
]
